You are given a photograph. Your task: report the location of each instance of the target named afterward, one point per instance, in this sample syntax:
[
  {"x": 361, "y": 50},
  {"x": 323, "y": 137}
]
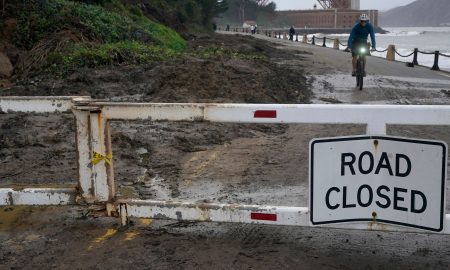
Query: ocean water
[{"x": 405, "y": 39}]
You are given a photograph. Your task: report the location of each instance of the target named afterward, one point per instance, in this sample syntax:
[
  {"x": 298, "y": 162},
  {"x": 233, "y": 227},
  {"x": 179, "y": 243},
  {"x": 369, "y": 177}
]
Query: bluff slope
[{"x": 417, "y": 14}]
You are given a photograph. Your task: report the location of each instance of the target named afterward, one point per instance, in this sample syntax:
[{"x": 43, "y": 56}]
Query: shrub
[
  {"x": 120, "y": 53},
  {"x": 37, "y": 19}
]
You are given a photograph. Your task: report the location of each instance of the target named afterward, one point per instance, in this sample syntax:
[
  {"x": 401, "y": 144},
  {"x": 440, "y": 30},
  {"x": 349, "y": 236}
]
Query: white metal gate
[{"x": 95, "y": 165}]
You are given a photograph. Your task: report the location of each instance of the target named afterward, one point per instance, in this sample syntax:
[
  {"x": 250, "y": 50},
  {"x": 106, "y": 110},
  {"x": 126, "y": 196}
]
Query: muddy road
[{"x": 228, "y": 163}]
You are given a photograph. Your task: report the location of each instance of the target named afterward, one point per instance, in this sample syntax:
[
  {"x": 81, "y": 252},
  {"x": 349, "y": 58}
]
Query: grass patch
[
  {"x": 220, "y": 52},
  {"x": 120, "y": 53},
  {"x": 37, "y": 19},
  {"x": 109, "y": 34}
]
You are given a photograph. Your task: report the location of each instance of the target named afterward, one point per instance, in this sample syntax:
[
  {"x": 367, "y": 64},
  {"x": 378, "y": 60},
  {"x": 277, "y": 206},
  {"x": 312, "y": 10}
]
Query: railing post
[
  {"x": 279, "y": 35},
  {"x": 314, "y": 40},
  {"x": 336, "y": 44},
  {"x": 324, "y": 42},
  {"x": 436, "y": 61},
  {"x": 416, "y": 52},
  {"x": 390, "y": 55},
  {"x": 305, "y": 38},
  {"x": 296, "y": 38}
]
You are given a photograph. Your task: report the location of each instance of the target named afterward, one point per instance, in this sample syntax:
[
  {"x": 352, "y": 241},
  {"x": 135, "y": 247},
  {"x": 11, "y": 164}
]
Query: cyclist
[{"x": 358, "y": 38}]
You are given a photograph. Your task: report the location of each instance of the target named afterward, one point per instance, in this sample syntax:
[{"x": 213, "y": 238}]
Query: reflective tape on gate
[
  {"x": 265, "y": 114},
  {"x": 263, "y": 216}
]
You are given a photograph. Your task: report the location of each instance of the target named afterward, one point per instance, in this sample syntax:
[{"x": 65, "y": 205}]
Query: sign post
[{"x": 384, "y": 179}]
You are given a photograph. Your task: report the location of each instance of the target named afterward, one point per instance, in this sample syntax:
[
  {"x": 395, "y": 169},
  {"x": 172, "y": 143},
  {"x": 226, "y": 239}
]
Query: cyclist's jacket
[{"x": 360, "y": 33}]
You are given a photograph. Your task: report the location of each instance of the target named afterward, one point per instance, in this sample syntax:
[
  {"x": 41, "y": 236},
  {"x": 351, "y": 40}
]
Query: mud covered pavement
[{"x": 229, "y": 163}]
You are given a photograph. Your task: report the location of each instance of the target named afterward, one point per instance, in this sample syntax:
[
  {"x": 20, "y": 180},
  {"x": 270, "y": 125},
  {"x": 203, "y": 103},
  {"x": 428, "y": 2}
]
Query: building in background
[
  {"x": 337, "y": 14},
  {"x": 340, "y": 4}
]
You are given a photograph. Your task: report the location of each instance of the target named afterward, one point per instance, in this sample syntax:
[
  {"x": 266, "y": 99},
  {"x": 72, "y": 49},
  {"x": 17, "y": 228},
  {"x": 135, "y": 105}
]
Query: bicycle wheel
[
  {"x": 360, "y": 74},
  {"x": 361, "y": 82}
]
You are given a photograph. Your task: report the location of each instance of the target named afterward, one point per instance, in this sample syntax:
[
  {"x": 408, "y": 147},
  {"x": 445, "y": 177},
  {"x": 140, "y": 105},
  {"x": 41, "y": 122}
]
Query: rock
[
  {"x": 9, "y": 28},
  {"x": 6, "y": 68},
  {"x": 5, "y": 83}
]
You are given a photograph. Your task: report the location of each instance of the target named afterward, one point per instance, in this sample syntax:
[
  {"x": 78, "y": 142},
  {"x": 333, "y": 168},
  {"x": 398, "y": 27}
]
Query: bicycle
[{"x": 361, "y": 53}]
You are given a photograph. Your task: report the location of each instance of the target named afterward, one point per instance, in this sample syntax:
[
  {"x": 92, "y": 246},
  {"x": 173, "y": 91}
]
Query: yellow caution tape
[{"x": 97, "y": 157}]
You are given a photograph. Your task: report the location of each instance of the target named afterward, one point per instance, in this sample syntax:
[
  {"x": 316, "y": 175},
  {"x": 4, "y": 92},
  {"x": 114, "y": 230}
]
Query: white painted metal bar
[
  {"x": 38, "y": 196},
  {"x": 375, "y": 116},
  {"x": 276, "y": 215},
  {"x": 254, "y": 214},
  {"x": 38, "y": 104},
  {"x": 99, "y": 170},
  {"x": 84, "y": 155},
  {"x": 109, "y": 166},
  {"x": 153, "y": 111}
]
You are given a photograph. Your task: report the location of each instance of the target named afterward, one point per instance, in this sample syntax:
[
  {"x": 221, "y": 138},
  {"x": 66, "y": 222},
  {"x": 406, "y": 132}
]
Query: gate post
[
  {"x": 84, "y": 165},
  {"x": 84, "y": 155},
  {"x": 102, "y": 166}
]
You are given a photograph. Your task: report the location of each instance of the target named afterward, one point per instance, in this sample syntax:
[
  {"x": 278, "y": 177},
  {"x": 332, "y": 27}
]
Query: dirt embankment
[
  {"x": 215, "y": 69},
  {"x": 41, "y": 147},
  {"x": 152, "y": 160}
]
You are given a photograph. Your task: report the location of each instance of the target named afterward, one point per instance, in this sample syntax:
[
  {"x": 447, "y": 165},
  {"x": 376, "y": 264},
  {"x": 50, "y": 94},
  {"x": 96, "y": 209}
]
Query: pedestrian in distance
[
  {"x": 252, "y": 29},
  {"x": 291, "y": 33}
]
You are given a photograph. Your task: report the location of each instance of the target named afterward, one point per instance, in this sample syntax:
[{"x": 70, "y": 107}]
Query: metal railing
[
  {"x": 95, "y": 164},
  {"x": 391, "y": 51}
]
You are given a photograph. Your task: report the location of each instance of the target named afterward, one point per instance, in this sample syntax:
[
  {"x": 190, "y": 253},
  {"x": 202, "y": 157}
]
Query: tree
[
  {"x": 3, "y": 7},
  {"x": 212, "y": 8},
  {"x": 241, "y": 10},
  {"x": 262, "y": 3}
]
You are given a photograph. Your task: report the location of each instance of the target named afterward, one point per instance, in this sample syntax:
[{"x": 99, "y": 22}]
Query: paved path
[{"x": 388, "y": 82}]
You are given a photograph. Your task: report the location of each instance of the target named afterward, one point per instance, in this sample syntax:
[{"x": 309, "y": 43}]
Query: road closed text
[
  {"x": 381, "y": 196},
  {"x": 380, "y": 179}
]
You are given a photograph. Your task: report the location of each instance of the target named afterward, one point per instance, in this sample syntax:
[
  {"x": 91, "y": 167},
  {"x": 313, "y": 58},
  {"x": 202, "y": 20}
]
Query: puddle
[{"x": 341, "y": 88}]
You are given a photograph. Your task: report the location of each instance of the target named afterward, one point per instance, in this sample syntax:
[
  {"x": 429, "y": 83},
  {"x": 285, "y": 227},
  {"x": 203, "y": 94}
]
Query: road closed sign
[{"x": 378, "y": 178}]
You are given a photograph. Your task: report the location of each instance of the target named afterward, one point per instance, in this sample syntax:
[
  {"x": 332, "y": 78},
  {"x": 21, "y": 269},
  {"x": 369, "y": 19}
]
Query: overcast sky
[{"x": 365, "y": 4}]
